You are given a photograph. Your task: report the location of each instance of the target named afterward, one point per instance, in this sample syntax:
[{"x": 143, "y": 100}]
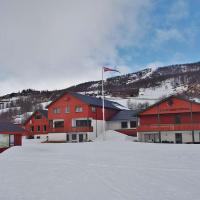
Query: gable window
[
  {"x": 93, "y": 109},
  {"x": 78, "y": 109},
  {"x": 124, "y": 124},
  {"x": 38, "y": 116},
  {"x": 67, "y": 109},
  {"x": 56, "y": 110},
  {"x": 133, "y": 124}
]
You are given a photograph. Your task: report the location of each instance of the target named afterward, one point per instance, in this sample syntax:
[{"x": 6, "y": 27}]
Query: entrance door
[
  {"x": 178, "y": 137},
  {"x": 12, "y": 140},
  {"x": 80, "y": 137}
]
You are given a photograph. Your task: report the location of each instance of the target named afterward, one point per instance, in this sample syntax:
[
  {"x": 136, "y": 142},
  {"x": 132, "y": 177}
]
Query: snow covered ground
[{"x": 118, "y": 170}]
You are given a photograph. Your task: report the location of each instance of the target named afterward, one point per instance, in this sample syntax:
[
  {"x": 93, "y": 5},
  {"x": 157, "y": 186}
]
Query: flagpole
[{"x": 103, "y": 105}]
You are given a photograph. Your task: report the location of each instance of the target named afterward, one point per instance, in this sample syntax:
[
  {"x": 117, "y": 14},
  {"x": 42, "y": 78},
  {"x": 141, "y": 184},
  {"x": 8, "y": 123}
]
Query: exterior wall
[
  {"x": 35, "y": 123},
  {"x": 72, "y": 102},
  {"x": 169, "y": 136},
  {"x": 57, "y": 137}
]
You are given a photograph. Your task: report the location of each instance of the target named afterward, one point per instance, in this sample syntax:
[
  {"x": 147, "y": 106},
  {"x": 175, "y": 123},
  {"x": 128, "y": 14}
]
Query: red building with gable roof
[
  {"x": 37, "y": 125},
  {"x": 79, "y": 116},
  {"x": 174, "y": 120}
]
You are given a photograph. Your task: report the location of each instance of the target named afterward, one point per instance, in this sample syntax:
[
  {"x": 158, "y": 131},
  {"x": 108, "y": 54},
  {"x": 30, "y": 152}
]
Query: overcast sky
[{"x": 53, "y": 44}]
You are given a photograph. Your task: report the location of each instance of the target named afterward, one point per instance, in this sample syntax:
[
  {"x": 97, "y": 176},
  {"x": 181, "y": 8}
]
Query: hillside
[{"x": 144, "y": 86}]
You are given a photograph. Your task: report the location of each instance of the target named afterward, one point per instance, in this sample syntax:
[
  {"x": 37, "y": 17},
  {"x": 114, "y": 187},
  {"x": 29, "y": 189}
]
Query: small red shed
[{"x": 10, "y": 135}]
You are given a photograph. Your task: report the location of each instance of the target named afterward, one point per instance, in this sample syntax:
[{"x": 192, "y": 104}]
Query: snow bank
[{"x": 112, "y": 136}]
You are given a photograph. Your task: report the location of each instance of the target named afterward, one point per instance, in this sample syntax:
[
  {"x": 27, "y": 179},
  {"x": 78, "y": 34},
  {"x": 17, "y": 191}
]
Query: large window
[
  {"x": 56, "y": 110},
  {"x": 83, "y": 123},
  {"x": 124, "y": 124},
  {"x": 133, "y": 124},
  {"x": 67, "y": 109},
  {"x": 78, "y": 109},
  {"x": 59, "y": 124}
]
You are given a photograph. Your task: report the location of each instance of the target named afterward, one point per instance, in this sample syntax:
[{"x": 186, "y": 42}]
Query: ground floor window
[
  {"x": 124, "y": 124},
  {"x": 133, "y": 124},
  {"x": 4, "y": 141},
  {"x": 45, "y": 128}
]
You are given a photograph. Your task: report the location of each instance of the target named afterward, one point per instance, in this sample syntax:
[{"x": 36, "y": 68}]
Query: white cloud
[{"x": 51, "y": 44}]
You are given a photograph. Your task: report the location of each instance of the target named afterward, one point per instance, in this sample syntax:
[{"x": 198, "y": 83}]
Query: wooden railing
[{"x": 169, "y": 127}]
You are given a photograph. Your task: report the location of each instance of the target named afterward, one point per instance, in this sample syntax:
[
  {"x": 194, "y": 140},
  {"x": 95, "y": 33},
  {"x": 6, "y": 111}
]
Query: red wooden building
[
  {"x": 37, "y": 125},
  {"x": 79, "y": 116},
  {"x": 172, "y": 120},
  {"x": 10, "y": 135}
]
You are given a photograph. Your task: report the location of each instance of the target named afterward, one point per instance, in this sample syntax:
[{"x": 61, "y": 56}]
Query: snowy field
[{"x": 111, "y": 170}]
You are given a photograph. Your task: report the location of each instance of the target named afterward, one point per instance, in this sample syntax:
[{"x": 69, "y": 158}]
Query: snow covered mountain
[{"x": 144, "y": 86}]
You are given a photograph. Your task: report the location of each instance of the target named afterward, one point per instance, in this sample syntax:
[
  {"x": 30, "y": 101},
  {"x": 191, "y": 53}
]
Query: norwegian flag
[{"x": 106, "y": 69}]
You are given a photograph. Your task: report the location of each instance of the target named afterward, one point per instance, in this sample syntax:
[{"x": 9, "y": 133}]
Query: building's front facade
[
  {"x": 10, "y": 135},
  {"x": 172, "y": 120},
  {"x": 77, "y": 118},
  {"x": 37, "y": 125}
]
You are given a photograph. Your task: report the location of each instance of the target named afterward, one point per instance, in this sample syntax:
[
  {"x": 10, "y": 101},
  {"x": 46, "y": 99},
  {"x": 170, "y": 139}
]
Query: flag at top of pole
[{"x": 105, "y": 69}]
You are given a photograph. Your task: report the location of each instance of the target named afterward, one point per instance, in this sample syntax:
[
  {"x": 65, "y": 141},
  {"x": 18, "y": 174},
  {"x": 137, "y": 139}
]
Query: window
[
  {"x": 67, "y": 109},
  {"x": 32, "y": 128},
  {"x": 38, "y": 116},
  {"x": 133, "y": 124},
  {"x": 93, "y": 109},
  {"x": 45, "y": 128},
  {"x": 56, "y": 110},
  {"x": 83, "y": 123},
  {"x": 67, "y": 138},
  {"x": 73, "y": 136},
  {"x": 124, "y": 124},
  {"x": 38, "y": 128},
  {"x": 177, "y": 119},
  {"x": 59, "y": 124},
  {"x": 78, "y": 109}
]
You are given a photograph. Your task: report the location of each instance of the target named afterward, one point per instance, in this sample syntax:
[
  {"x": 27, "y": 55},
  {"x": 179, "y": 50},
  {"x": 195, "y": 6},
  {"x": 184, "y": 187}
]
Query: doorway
[
  {"x": 80, "y": 137},
  {"x": 178, "y": 138}
]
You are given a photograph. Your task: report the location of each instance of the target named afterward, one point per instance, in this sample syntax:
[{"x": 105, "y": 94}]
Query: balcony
[
  {"x": 81, "y": 129},
  {"x": 169, "y": 127},
  {"x": 71, "y": 129}
]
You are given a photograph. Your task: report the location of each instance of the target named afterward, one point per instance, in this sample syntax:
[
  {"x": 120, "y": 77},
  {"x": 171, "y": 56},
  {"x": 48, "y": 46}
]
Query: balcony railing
[
  {"x": 71, "y": 129},
  {"x": 169, "y": 127}
]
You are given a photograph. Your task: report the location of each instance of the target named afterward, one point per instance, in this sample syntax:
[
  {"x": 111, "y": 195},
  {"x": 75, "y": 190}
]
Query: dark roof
[
  {"x": 125, "y": 115},
  {"x": 9, "y": 127},
  {"x": 166, "y": 99},
  {"x": 92, "y": 101}
]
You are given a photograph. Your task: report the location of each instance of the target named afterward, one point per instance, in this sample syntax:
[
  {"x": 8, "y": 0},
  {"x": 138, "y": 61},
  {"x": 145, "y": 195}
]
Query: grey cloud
[{"x": 51, "y": 44}]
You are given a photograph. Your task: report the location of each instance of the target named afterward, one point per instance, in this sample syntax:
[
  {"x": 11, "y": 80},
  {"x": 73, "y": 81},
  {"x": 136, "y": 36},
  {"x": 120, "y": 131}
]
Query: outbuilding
[{"x": 10, "y": 135}]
